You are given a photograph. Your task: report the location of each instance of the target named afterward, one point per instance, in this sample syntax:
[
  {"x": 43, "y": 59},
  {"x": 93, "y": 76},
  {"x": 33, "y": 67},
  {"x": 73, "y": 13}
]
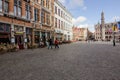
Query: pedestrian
[
  {"x": 41, "y": 44},
  {"x": 50, "y": 43},
  {"x": 47, "y": 43},
  {"x": 56, "y": 43}
]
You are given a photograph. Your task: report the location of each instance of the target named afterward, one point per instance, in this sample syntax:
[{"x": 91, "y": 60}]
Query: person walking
[
  {"x": 47, "y": 43},
  {"x": 50, "y": 43},
  {"x": 56, "y": 43}
]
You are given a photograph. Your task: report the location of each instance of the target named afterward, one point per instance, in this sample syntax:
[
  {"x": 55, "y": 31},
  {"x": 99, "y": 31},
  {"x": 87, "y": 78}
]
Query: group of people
[{"x": 49, "y": 43}]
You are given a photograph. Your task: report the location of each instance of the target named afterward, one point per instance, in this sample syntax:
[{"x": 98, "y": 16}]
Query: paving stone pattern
[{"x": 76, "y": 61}]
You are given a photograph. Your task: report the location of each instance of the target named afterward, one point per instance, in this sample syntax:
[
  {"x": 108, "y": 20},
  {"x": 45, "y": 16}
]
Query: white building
[{"x": 62, "y": 22}]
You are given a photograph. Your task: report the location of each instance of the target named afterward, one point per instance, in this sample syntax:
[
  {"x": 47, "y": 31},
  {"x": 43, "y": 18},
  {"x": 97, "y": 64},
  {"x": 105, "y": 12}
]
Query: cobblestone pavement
[{"x": 76, "y": 61}]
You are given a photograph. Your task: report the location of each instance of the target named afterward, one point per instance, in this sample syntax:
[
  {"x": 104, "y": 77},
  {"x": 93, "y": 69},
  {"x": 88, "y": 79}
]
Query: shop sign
[{"x": 19, "y": 32}]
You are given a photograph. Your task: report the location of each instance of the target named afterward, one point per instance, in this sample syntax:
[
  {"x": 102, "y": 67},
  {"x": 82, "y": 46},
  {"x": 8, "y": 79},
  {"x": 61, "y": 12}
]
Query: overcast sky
[{"x": 87, "y": 13}]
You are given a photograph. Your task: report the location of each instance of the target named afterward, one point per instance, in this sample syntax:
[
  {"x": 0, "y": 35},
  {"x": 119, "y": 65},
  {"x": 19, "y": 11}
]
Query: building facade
[
  {"x": 25, "y": 21},
  {"x": 80, "y": 34},
  {"x": 62, "y": 22},
  {"x": 104, "y": 31}
]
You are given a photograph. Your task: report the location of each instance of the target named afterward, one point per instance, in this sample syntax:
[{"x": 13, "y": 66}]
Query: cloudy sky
[{"x": 87, "y": 13}]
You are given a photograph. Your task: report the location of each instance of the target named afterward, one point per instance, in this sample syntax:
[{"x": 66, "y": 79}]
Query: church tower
[
  {"x": 102, "y": 26},
  {"x": 102, "y": 19},
  {"x": 102, "y": 29}
]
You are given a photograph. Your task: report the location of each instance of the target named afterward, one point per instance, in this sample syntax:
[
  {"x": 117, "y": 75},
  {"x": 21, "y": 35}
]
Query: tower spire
[{"x": 102, "y": 19}]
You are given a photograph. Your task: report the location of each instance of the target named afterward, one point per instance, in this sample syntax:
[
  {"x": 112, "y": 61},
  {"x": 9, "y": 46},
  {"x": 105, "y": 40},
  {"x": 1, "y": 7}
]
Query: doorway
[{"x": 20, "y": 41}]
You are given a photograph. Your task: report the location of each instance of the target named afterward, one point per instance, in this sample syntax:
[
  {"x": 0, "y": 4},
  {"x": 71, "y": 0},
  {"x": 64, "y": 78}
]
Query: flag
[
  {"x": 118, "y": 25},
  {"x": 110, "y": 30},
  {"x": 115, "y": 28}
]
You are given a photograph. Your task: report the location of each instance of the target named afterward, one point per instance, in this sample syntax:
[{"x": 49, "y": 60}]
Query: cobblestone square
[{"x": 76, "y": 61}]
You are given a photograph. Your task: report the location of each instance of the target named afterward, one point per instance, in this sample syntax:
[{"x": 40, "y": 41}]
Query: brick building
[
  {"x": 25, "y": 21},
  {"x": 80, "y": 34}
]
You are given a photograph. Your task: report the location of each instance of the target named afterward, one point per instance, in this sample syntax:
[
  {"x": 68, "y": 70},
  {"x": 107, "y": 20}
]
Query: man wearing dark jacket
[{"x": 50, "y": 43}]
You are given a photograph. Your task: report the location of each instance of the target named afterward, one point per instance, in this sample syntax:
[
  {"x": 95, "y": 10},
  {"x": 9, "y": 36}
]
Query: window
[
  {"x": 48, "y": 19},
  {"x": 17, "y": 8},
  {"x": 56, "y": 9},
  {"x": 59, "y": 24},
  {"x": 64, "y": 25},
  {"x": 43, "y": 17},
  {"x": 0, "y": 5},
  {"x": 1, "y": 27},
  {"x": 47, "y": 4},
  {"x": 4, "y": 27},
  {"x": 6, "y": 5},
  {"x": 36, "y": 14},
  {"x": 28, "y": 12},
  {"x": 64, "y": 15},
  {"x": 59, "y": 12},
  {"x": 19, "y": 11},
  {"x": 7, "y": 29},
  {"x": 28, "y": 31},
  {"x": 56, "y": 22},
  {"x": 42, "y": 2}
]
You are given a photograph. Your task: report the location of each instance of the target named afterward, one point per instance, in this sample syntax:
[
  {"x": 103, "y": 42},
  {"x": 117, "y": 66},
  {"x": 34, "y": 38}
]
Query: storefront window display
[
  {"x": 37, "y": 37},
  {"x": 4, "y": 33}
]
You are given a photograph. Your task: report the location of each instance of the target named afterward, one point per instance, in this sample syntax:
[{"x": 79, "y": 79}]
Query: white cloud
[
  {"x": 73, "y": 4},
  {"x": 62, "y": 1},
  {"x": 81, "y": 23},
  {"x": 79, "y": 20},
  {"x": 76, "y": 3},
  {"x": 84, "y": 8},
  {"x": 116, "y": 18},
  {"x": 89, "y": 26}
]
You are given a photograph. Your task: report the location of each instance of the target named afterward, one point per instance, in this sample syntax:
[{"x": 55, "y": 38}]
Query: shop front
[
  {"x": 37, "y": 36},
  {"x": 29, "y": 35},
  {"x": 19, "y": 36},
  {"x": 47, "y": 35},
  {"x": 4, "y": 33},
  {"x": 59, "y": 36},
  {"x": 43, "y": 37}
]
